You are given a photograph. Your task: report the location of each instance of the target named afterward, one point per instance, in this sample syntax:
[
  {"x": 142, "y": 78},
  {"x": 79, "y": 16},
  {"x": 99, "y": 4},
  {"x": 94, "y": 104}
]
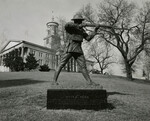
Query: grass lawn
[{"x": 23, "y": 98}]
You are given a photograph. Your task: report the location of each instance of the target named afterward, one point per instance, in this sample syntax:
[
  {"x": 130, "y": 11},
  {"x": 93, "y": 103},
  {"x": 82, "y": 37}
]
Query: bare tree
[
  {"x": 119, "y": 13},
  {"x": 97, "y": 50},
  {"x": 142, "y": 33},
  {"x": 100, "y": 52},
  {"x": 88, "y": 13},
  {"x": 147, "y": 67},
  {"x": 133, "y": 26},
  {"x": 147, "y": 48},
  {"x": 147, "y": 60},
  {"x": 132, "y": 35}
]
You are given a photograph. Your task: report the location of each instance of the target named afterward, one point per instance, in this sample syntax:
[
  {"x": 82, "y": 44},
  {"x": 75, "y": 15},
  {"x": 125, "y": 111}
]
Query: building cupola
[{"x": 52, "y": 40}]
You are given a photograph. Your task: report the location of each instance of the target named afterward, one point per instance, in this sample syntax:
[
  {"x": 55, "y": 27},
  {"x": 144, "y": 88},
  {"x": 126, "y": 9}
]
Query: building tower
[{"x": 52, "y": 40}]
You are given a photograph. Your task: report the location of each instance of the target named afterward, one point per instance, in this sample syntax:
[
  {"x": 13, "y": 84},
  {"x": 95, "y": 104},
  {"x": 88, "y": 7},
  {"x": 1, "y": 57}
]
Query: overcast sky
[{"x": 26, "y": 19}]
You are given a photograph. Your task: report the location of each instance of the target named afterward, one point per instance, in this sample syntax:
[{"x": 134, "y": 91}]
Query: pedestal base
[{"x": 76, "y": 99}]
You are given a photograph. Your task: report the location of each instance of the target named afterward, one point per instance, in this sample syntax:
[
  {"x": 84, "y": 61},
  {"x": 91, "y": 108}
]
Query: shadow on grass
[
  {"x": 107, "y": 106},
  {"x": 110, "y": 106},
  {"x": 135, "y": 80},
  {"x": 116, "y": 93},
  {"x": 113, "y": 103},
  {"x": 98, "y": 107},
  {"x": 141, "y": 81},
  {"x": 17, "y": 82}
]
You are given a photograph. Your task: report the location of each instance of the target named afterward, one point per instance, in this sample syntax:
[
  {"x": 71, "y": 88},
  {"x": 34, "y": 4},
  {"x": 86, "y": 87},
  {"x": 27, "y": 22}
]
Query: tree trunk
[
  {"x": 102, "y": 72},
  {"x": 148, "y": 73},
  {"x": 128, "y": 71},
  {"x": 101, "y": 69}
]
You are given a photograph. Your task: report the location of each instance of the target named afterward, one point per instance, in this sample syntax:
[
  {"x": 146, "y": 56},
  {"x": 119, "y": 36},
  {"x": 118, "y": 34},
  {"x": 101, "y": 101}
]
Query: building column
[
  {"x": 77, "y": 70},
  {"x": 71, "y": 65},
  {"x": 65, "y": 67},
  {"x": 53, "y": 61},
  {"x": 1, "y": 60},
  {"x": 57, "y": 61},
  {"x": 68, "y": 66},
  {"x": 50, "y": 62},
  {"x": 74, "y": 66},
  {"x": 22, "y": 52},
  {"x": 18, "y": 52}
]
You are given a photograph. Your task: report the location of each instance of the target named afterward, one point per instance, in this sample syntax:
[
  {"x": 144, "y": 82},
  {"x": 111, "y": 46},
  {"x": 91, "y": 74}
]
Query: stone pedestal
[{"x": 76, "y": 99}]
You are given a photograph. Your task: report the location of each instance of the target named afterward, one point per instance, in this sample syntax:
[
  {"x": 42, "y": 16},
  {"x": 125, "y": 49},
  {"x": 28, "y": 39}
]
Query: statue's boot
[
  {"x": 87, "y": 77},
  {"x": 56, "y": 74}
]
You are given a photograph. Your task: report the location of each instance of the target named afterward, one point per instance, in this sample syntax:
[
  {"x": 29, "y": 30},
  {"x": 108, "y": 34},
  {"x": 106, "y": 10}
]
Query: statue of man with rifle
[{"x": 75, "y": 35}]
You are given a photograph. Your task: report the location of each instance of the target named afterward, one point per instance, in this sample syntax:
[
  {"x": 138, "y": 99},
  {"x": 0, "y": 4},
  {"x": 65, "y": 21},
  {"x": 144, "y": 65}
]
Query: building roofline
[
  {"x": 8, "y": 43},
  {"x": 37, "y": 45},
  {"x": 23, "y": 41}
]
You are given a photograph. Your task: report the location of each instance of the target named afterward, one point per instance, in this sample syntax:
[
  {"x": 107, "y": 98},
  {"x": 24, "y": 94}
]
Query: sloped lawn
[{"x": 23, "y": 98}]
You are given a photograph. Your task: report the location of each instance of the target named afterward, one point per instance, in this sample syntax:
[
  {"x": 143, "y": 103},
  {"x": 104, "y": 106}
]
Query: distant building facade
[{"x": 49, "y": 54}]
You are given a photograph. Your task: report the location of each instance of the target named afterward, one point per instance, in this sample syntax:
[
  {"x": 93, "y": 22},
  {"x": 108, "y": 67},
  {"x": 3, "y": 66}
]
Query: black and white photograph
[{"x": 74, "y": 60}]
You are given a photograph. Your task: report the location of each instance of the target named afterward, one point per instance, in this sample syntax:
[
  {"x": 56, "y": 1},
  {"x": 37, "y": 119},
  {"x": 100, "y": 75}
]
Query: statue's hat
[{"x": 77, "y": 17}]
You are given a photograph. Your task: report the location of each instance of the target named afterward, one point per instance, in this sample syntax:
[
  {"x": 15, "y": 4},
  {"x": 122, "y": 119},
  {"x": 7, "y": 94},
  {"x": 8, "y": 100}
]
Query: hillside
[{"x": 23, "y": 98}]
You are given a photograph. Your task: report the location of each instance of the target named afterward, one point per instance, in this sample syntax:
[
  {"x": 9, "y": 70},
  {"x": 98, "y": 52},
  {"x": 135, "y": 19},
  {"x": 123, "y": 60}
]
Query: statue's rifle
[{"x": 102, "y": 26}]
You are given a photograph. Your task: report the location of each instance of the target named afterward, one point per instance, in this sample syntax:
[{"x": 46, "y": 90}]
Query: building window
[
  {"x": 33, "y": 52},
  {"x": 47, "y": 55},
  {"x": 47, "y": 41},
  {"x": 41, "y": 62},
  {"x": 40, "y": 54}
]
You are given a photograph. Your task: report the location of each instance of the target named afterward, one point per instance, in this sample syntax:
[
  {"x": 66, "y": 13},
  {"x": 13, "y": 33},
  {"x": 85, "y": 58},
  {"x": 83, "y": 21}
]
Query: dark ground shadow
[
  {"x": 135, "y": 80},
  {"x": 141, "y": 81},
  {"x": 111, "y": 104},
  {"x": 17, "y": 82},
  {"x": 117, "y": 93},
  {"x": 107, "y": 106}
]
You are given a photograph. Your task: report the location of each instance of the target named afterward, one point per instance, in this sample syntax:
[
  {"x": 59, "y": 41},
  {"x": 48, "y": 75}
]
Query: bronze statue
[{"x": 76, "y": 34}]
